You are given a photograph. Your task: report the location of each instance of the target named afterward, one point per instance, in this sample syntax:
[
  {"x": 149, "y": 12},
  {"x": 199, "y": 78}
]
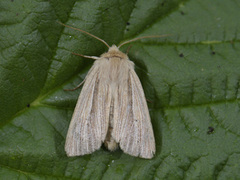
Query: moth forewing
[
  {"x": 78, "y": 141},
  {"x": 132, "y": 125},
  {"x": 111, "y": 108}
]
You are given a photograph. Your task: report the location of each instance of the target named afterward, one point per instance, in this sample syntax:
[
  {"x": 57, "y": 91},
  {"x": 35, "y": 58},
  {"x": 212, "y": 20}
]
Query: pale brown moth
[{"x": 111, "y": 108}]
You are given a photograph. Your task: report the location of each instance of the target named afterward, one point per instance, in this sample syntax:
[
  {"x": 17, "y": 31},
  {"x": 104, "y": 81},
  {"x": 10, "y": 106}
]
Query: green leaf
[{"x": 191, "y": 78}]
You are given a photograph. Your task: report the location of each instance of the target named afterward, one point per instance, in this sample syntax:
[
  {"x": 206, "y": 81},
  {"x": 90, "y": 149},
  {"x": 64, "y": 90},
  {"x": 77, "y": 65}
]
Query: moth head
[{"x": 113, "y": 51}]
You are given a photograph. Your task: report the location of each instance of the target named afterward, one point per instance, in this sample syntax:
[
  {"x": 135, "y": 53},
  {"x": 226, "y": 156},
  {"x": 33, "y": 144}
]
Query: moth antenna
[
  {"x": 85, "y": 33},
  {"x": 144, "y": 37}
]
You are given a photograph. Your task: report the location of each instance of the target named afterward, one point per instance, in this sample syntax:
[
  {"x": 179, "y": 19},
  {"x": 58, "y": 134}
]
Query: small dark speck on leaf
[
  {"x": 128, "y": 23},
  {"x": 28, "y": 105},
  {"x": 182, "y": 13},
  {"x": 127, "y": 29},
  {"x": 163, "y": 3},
  {"x": 12, "y": 0},
  {"x": 17, "y": 14},
  {"x": 181, "y": 55},
  {"x": 210, "y": 130},
  {"x": 213, "y": 52}
]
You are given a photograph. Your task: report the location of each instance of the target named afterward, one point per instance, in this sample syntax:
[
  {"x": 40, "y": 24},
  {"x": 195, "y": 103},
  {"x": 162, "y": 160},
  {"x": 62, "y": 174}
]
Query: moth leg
[
  {"x": 149, "y": 101},
  {"x": 128, "y": 49},
  {"x": 90, "y": 57},
  {"x": 75, "y": 87}
]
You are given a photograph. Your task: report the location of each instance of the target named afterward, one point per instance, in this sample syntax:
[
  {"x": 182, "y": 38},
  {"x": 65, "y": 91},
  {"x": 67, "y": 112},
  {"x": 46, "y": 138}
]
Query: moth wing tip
[{"x": 148, "y": 156}]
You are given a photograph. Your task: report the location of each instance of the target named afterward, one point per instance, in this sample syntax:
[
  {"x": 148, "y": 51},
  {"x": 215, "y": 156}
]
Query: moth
[{"x": 111, "y": 108}]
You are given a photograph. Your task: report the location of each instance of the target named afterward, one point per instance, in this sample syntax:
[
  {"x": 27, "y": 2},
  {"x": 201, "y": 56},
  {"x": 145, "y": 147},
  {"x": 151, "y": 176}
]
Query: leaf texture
[{"x": 191, "y": 78}]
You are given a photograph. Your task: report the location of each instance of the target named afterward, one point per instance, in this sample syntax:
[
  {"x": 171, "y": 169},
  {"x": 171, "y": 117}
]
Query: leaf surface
[{"x": 191, "y": 78}]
